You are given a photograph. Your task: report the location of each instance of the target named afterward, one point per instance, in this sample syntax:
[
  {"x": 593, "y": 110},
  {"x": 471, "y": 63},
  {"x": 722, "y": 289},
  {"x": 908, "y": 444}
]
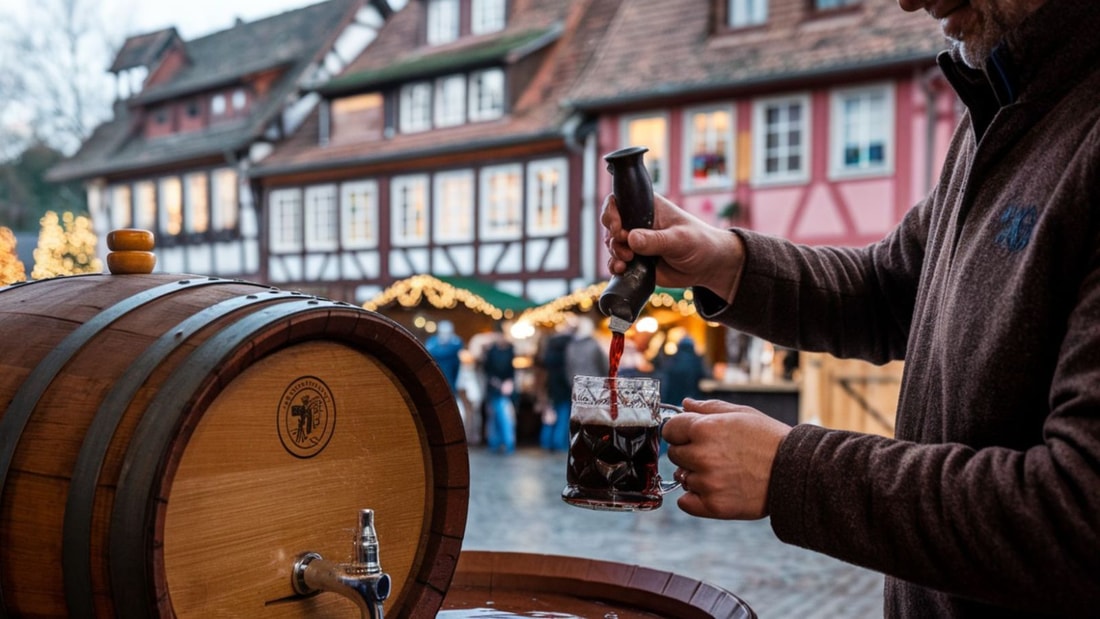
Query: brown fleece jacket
[{"x": 988, "y": 501}]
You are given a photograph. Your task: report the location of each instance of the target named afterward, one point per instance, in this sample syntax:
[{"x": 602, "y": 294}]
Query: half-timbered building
[
  {"x": 822, "y": 121},
  {"x": 193, "y": 117},
  {"x": 444, "y": 149}
]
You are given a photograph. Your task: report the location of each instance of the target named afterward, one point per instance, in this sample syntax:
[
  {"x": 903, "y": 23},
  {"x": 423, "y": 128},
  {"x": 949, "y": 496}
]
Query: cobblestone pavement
[{"x": 515, "y": 506}]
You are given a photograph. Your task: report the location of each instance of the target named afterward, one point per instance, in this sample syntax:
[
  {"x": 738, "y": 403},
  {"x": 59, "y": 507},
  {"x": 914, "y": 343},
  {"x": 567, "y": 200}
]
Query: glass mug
[{"x": 612, "y": 463}]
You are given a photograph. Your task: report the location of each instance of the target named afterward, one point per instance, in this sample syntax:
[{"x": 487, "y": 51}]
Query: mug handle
[{"x": 666, "y": 411}]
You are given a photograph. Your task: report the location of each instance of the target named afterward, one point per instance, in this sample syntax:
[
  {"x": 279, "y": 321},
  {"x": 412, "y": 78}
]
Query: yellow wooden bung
[
  {"x": 131, "y": 251},
  {"x": 131, "y": 262},
  {"x": 130, "y": 239}
]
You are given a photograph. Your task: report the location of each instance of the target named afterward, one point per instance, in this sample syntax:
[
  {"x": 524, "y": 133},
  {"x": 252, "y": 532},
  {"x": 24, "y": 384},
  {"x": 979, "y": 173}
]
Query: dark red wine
[
  {"x": 615, "y": 355},
  {"x": 612, "y": 464}
]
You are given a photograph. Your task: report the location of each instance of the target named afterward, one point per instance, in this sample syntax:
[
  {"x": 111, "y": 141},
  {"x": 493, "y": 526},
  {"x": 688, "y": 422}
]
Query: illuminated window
[
  {"x": 650, "y": 131},
  {"x": 709, "y": 147},
  {"x": 286, "y": 220},
  {"x": 547, "y": 197},
  {"x": 170, "y": 201},
  {"x": 416, "y": 107},
  {"x": 487, "y": 16},
  {"x": 450, "y": 101},
  {"x": 781, "y": 139},
  {"x": 501, "y": 202},
  {"x": 486, "y": 94},
  {"x": 359, "y": 214},
  {"x": 453, "y": 207},
  {"x": 198, "y": 203},
  {"x": 240, "y": 99},
  {"x": 217, "y": 105},
  {"x": 442, "y": 21},
  {"x": 743, "y": 13},
  {"x": 322, "y": 223},
  {"x": 145, "y": 205},
  {"x": 224, "y": 207},
  {"x": 409, "y": 208},
  {"x": 121, "y": 207},
  {"x": 863, "y": 131}
]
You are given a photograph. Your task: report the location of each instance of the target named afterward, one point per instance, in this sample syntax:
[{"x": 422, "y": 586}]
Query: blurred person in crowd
[
  {"x": 554, "y": 434},
  {"x": 500, "y": 393},
  {"x": 445, "y": 347},
  {"x": 585, "y": 356},
  {"x": 681, "y": 372}
]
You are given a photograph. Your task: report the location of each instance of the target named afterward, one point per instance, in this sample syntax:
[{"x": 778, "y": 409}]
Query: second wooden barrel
[{"x": 170, "y": 445}]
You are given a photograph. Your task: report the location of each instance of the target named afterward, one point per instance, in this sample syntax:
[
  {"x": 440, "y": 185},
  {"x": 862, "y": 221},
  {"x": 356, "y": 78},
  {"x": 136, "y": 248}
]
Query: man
[{"x": 988, "y": 501}]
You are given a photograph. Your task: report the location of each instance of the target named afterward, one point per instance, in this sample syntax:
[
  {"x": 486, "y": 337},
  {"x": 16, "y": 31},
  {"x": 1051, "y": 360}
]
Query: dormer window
[
  {"x": 746, "y": 13},
  {"x": 240, "y": 99},
  {"x": 415, "y": 113},
  {"x": 217, "y": 105},
  {"x": 486, "y": 16},
  {"x": 486, "y": 95},
  {"x": 194, "y": 110},
  {"x": 442, "y": 21},
  {"x": 450, "y": 101}
]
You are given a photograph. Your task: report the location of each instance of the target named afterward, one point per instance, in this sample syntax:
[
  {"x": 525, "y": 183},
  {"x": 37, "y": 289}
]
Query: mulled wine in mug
[{"x": 614, "y": 444}]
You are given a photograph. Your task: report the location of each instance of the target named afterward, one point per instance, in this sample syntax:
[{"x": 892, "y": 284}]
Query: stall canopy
[{"x": 447, "y": 292}]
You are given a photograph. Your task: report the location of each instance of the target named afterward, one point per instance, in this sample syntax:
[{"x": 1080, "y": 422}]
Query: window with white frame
[
  {"x": 120, "y": 206},
  {"x": 442, "y": 21},
  {"x": 450, "y": 101},
  {"x": 197, "y": 200},
  {"x": 145, "y": 205},
  {"x": 223, "y": 208},
  {"x": 487, "y": 16},
  {"x": 321, "y": 218},
  {"x": 650, "y": 131},
  {"x": 286, "y": 220},
  {"x": 486, "y": 94},
  {"x": 862, "y": 131},
  {"x": 781, "y": 139},
  {"x": 453, "y": 206},
  {"x": 359, "y": 214},
  {"x": 547, "y": 197},
  {"x": 708, "y": 137},
  {"x": 170, "y": 202},
  {"x": 501, "y": 202},
  {"x": 415, "y": 113},
  {"x": 745, "y": 13},
  {"x": 409, "y": 210}
]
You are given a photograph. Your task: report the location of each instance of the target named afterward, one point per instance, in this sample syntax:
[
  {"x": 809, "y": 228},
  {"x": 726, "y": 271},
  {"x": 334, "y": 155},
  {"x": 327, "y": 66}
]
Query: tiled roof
[
  {"x": 292, "y": 39},
  {"x": 664, "y": 48},
  {"x": 536, "y": 114},
  {"x": 142, "y": 50}
]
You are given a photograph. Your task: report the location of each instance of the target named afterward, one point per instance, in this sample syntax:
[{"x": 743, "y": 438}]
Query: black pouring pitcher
[{"x": 626, "y": 294}]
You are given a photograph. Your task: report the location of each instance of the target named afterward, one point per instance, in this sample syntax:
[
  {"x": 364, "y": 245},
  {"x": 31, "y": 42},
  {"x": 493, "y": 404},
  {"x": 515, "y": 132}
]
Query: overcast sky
[{"x": 193, "y": 18}]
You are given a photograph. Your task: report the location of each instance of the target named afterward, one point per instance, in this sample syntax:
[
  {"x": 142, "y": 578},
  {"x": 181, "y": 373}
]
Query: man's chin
[{"x": 971, "y": 55}]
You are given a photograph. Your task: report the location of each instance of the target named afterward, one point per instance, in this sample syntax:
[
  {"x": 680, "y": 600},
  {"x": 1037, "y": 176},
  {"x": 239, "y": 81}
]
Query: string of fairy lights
[{"x": 412, "y": 291}]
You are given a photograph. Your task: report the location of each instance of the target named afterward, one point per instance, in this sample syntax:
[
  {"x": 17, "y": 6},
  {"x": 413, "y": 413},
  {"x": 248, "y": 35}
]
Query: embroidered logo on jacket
[{"x": 1017, "y": 222}]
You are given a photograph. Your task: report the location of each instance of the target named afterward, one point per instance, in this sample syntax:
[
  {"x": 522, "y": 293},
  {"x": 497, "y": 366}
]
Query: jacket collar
[{"x": 1035, "y": 63}]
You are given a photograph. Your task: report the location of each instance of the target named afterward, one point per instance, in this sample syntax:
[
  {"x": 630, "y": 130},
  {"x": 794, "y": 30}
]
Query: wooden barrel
[
  {"x": 170, "y": 445},
  {"x": 513, "y": 584}
]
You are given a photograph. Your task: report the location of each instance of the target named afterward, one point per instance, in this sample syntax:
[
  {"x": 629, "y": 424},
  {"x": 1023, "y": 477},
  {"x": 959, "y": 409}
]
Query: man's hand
[{"x": 724, "y": 453}]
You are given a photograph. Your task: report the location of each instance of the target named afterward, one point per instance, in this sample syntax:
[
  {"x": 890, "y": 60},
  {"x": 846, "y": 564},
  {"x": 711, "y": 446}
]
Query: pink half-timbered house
[{"x": 818, "y": 120}]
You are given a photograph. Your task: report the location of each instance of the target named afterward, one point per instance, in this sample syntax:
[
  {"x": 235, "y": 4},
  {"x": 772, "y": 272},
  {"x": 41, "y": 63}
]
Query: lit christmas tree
[
  {"x": 66, "y": 246},
  {"x": 11, "y": 267}
]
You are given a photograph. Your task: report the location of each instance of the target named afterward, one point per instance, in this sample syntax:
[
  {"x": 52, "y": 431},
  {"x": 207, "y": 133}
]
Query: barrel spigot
[
  {"x": 362, "y": 580},
  {"x": 627, "y": 293}
]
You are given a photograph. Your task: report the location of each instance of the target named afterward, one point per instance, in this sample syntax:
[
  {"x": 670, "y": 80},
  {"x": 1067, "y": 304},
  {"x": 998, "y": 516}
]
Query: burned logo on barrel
[{"x": 307, "y": 417}]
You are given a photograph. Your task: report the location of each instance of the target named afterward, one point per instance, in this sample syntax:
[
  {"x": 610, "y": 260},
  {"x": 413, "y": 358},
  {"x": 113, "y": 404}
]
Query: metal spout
[{"x": 362, "y": 581}]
